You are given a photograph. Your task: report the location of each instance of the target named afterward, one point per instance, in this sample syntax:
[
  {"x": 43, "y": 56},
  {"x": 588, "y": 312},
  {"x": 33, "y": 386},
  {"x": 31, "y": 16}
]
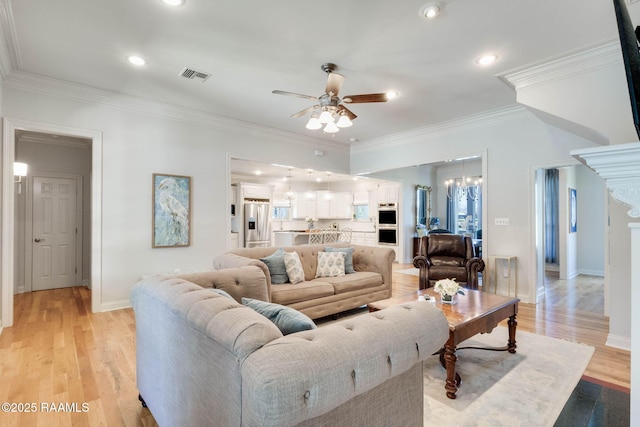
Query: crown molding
[
  {"x": 43, "y": 85},
  {"x": 463, "y": 124},
  {"x": 9, "y": 54},
  {"x": 591, "y": 58},
  {"x": 619, "y": 166}
]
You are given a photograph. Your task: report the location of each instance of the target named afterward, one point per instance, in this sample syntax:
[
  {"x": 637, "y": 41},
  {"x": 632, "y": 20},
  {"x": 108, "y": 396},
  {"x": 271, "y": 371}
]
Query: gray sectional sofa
[
  {"x": 319, "y": 297},
  {"x": 205, "y": 360}
]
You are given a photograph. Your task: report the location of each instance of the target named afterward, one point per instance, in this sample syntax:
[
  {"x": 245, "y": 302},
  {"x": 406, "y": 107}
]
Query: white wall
[
  {"x": 515, "y": 142},
  {"x": 135, "y": 145},
  {"x": 592, "y": 207},
  {"x": 408, "y": 179},
  {"x": 568, "y": 242}
]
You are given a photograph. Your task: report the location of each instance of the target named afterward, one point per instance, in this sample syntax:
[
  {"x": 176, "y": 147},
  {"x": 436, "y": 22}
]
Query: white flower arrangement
[
  {"x": 311, "y": 222},
  {"x": 448, "y": 287}
]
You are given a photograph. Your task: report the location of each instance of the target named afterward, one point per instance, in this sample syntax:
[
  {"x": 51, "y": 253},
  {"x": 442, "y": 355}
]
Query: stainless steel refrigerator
[{"x": 257, "y": 224}]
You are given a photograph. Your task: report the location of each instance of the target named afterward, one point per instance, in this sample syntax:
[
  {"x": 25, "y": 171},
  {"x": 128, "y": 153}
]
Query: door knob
[{"x": 38, "y": 240}]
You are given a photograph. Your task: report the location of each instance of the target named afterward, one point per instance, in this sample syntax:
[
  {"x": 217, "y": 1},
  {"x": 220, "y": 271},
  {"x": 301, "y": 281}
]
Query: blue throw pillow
[
  {"x": 348, "y": 258},
  {"x": 286, "y": 319},
  {"x": 277, "y": 269},
  {"x": 222, "y": 293}
]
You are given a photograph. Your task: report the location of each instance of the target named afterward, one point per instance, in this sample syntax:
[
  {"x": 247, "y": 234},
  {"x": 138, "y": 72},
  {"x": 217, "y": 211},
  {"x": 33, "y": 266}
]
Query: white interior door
[{"x": 54, "y": 233}]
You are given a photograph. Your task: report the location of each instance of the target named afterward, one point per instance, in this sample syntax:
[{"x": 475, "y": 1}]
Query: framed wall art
[
  {"x": 171, "y": 211},
  {"x": 573, "y": 211}
]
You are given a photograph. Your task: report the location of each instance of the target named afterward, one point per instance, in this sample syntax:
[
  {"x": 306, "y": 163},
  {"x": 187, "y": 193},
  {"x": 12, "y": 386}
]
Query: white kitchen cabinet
[
  {"x": 304, "y": 205},
  {"x": 333, "y": 205},
  {"x": 234, "y": 241},
  {"x": 341, "y": 207},
  {"x": 256, "y": 191},
  {"x": 388, "y": 194},
  {"x": 233, "y": 194},
  {"x": 364, "y": 238}
]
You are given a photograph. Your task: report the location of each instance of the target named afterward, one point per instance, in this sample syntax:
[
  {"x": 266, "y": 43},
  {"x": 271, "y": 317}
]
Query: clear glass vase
[{"x": 447, "y": 299}]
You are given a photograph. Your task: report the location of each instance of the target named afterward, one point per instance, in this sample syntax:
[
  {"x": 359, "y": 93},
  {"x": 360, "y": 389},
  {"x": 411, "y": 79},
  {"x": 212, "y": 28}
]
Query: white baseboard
[
  {"x": 592, "y": 272},
  {"x": 623, "y": 343},
  {"x": 117, "y": 305}
]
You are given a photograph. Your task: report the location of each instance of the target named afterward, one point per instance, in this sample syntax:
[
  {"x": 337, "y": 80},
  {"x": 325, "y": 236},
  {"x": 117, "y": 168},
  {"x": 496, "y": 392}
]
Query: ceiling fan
[{"x": 330, "y": 104}]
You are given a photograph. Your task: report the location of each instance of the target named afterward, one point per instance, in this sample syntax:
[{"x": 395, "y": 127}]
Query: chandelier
[{"x": 463, "y": 188}]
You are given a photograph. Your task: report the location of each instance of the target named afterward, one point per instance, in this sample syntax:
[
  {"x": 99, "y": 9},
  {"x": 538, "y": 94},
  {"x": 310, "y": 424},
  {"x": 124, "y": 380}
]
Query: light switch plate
[{"x": 501, "y": 221}]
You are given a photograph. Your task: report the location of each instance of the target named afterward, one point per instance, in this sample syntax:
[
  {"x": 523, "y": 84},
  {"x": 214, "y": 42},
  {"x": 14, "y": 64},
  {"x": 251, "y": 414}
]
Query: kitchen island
[{"x": 291, "y": 237}]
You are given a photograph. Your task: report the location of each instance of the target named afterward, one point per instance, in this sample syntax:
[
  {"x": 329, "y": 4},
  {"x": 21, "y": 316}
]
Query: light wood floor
[{"x": 58, "y": 351}]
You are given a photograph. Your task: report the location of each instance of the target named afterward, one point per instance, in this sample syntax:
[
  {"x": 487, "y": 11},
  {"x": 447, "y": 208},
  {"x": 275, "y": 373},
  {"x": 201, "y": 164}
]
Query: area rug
[
  {"x": 410, "y": 271},
  {"x": 528, "y": 388}
]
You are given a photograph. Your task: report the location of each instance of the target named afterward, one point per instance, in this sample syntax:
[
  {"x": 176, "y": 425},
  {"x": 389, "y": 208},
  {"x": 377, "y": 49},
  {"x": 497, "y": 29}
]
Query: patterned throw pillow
[
  {"x": 286, "y": 319},
  {"x": 294, "y": 267},
  {"x": 277, "y": 270},
  {"x": 348, "y": 260},
  {"x": 330, "y": 264}
]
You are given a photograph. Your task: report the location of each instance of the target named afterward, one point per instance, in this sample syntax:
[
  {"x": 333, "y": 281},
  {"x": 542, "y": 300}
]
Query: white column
[
  {"x": 635, "y": 323},
  {"x": 619, "y": 165}
]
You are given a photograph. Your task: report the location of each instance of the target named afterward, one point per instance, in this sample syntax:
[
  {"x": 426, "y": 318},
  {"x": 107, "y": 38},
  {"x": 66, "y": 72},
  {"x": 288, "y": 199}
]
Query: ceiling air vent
[{"x": 192, "y": 74}]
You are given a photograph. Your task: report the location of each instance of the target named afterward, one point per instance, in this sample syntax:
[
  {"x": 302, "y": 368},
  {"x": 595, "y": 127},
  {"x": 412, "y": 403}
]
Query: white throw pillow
[
  {"x": 330, "y": 264},
  {"x": 294, "y": 267}
]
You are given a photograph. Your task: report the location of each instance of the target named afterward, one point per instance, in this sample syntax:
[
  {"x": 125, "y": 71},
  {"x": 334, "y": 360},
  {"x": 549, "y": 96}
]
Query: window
[
  {"x": 361, "y": 212},
  {"x": 468, "y": 207},
  {"x": 280, "y": 213}
]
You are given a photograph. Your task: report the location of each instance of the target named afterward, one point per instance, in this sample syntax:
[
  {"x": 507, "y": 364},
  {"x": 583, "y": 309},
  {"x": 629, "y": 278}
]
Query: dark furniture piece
[
  {"x": 439, "y": 231},
  {"x": 474, "y": 313},
  {"x": 448, "y": 256}
]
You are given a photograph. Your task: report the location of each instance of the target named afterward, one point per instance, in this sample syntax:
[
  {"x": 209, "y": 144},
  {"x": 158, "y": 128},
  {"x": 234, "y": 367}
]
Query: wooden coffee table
[{"x": 473, "y": 313}]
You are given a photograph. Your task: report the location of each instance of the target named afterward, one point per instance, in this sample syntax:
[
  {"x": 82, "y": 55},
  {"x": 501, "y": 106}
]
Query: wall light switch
[
  {"x": 505, "y": 273},
  {"x": 501, "y": 221}
]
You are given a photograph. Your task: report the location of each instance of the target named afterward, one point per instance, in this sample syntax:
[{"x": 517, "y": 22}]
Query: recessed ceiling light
[
  {"x": 174, "y": 2},
  {"x": 430, "y": 10},
  {"x": 136, "y": 60},
  {"x": 487, "y": 59}
]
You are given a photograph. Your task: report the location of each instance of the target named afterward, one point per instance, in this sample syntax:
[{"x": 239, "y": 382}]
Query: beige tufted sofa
[
  {"x": 323, "y": 296},
  {"x": 205, "y": 360}
]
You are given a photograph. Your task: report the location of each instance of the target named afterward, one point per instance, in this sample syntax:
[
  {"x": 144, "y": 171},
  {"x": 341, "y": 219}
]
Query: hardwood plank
[{"x": 58, "y": 351}]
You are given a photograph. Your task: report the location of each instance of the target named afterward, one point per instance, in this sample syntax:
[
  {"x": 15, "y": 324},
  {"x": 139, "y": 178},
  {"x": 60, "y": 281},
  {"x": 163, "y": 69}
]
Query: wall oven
[
  {"x": 387, "y": 216},
  {"x": 388, "y": 236}
]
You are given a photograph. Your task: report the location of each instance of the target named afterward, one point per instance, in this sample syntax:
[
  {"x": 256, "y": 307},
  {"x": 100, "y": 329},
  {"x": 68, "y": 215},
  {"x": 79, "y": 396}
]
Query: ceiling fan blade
[
  {"x": 334, "y": 83},
  {"x": 299, "y": 95},
  {"x": 347, "y": 112},
  {"x": 305, "y": 111},
  {"x": 370, "y": 97}
]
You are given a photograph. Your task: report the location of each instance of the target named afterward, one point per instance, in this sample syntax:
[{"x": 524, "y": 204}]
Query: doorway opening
[
  {"x": 53, "y": 239},
  {"x": 570, "y": 222},
  {"x": 12, "y": 245}
]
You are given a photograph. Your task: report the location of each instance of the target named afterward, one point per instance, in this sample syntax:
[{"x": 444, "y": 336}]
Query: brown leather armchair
[{"x": 448, "y": 256}]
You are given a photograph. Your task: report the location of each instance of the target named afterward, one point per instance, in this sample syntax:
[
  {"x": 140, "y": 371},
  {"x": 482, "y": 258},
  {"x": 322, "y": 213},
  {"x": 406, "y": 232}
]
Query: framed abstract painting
[{"x": 171, "y": 211}]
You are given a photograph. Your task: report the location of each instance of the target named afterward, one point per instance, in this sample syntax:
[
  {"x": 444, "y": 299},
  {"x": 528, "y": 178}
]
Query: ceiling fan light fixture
[
  {"x": 344, "y": 122},
  {"x": 173, "y": 2},
  {"x": 313, "y": 123},
  {"x": 391, "y": 94},
  {"x": 325, "y": 117},
  {"x": 331, "y": 128}
]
